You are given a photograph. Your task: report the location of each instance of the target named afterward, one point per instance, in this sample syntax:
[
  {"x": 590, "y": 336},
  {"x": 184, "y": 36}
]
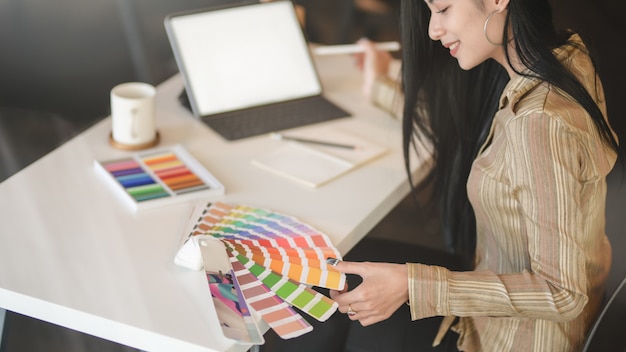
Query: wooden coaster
[{"x": 123, "y": 146}]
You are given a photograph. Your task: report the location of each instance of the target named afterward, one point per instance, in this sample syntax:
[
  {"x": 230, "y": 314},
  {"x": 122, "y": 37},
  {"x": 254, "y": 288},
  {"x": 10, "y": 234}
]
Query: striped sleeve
[{"x": 546, "y": 164}]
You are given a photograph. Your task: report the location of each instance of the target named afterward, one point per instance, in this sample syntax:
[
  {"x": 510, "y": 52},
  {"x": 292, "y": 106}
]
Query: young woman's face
[{"x": 458, "y": 25}]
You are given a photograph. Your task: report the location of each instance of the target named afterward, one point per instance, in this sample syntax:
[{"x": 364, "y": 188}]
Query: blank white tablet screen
[{"x": 243, "y": 56}]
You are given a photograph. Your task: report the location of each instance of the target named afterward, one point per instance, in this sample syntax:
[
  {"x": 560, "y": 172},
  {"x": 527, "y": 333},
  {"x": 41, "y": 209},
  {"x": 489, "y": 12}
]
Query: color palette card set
[
  {"x": 260, "y": 263},
  {"x": 158, "y": 177}
]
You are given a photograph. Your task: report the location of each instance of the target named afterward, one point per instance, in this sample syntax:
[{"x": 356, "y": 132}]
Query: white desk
[{"x": 74, "y": 255}]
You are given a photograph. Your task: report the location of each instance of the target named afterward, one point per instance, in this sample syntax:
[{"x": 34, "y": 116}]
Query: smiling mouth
[{"x": 453, "y": 47}]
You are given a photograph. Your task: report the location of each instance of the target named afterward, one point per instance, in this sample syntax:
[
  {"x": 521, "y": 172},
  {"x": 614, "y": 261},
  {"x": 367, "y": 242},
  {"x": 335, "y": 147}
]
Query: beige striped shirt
[{"x": 538, "y": 191}]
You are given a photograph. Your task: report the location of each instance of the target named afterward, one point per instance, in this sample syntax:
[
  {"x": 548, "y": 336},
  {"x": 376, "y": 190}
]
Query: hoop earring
[{"x": 485, "y": 29}]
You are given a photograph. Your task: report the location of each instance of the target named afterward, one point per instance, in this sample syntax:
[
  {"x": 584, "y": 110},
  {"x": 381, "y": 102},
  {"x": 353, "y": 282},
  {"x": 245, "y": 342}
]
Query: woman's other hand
[{"x": 373, "y": 63}]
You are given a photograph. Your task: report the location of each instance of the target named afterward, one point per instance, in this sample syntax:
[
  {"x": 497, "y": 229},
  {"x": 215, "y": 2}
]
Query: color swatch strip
[
  {"x": 245, "y": 230},
  {"x": 299, "y": 295},
  {"x": 232, "y": 310},
  {"x": 211, "y": 214},
  {"x": 275, "y": 225},
  {"x": 310, "y": 273},
  {"x": 173, "y": 172},
  {"x": 285, "y": 321},
  {"x": 305, "y": 253},
  {"x": 268, "y": 228},
  {"x": 138, "y": 183}
]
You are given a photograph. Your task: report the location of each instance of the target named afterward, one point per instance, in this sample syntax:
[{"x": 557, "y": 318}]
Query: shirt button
[{"x": 438, "y": 309}]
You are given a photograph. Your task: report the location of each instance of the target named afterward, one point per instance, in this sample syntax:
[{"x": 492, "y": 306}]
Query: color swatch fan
[{"x": 270, "y": 261}]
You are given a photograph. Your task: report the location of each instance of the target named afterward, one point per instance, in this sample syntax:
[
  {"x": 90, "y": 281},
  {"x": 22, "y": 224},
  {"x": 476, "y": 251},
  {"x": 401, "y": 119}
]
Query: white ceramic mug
[{"x": 133, "y": 114}]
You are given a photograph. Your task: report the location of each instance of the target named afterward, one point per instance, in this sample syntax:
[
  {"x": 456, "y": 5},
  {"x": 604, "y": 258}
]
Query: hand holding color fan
[{"x": 262, "y": 260}]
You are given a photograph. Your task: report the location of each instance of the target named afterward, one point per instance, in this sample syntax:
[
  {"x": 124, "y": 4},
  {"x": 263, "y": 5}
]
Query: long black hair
[{"x": 452, "y": 109}]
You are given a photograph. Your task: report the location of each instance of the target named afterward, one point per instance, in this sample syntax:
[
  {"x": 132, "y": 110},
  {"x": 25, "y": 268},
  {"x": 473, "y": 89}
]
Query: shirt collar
[
  {"x": 516, "y": 89},
  {"x": 518, "y": 86}
]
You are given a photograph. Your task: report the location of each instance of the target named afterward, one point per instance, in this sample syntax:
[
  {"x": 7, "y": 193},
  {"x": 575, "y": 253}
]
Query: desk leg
[{"x": 3, "y": 313}]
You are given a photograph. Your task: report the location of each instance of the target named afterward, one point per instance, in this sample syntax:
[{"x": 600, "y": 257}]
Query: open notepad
[{"x": 315, "y": 165}]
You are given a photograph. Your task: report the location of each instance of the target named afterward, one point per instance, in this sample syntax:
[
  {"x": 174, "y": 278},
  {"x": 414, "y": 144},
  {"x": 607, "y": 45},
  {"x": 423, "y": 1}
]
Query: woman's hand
[
  {"x": 383, "y": 290},
  {"x": 374, "y": 64}
]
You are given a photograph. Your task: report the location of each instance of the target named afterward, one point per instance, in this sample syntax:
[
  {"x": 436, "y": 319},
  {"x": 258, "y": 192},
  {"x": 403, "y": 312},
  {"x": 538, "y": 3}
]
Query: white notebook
[{"x": 314, "y": 165}]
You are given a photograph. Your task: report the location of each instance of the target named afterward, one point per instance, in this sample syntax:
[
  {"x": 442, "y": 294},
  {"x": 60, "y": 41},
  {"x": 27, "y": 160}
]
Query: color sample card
[
  {"x": 297, "y": 294},
  {"x": 160, "y": 176},
  {"x": 276, "y": 259},
  {"x": 230, "y": 305},
  {"x": 283, "y": 319},
  {"x": 259, "y": 233}
]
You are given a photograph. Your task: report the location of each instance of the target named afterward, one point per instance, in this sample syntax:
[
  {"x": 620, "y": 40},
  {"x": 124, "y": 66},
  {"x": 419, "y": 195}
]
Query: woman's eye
[{"x": 442, "y": 10}]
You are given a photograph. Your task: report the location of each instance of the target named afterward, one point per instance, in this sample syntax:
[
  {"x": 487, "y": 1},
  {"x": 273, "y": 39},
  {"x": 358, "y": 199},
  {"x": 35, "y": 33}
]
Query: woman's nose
[{"x": 435, "y": 30}]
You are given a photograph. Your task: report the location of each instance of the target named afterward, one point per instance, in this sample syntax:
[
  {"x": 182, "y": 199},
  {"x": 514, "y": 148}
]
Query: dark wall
[
  {"x": 53, "y": 52},
  {"x": 603, "y": 22},
  {"x": 64, "y": 56}
]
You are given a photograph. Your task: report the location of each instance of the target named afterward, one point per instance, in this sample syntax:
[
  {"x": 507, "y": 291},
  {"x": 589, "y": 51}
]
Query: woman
[{"x": 515, "y": 116}]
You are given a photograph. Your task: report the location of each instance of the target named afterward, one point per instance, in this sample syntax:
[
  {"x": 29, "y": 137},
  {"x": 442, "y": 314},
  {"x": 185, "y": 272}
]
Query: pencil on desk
[{"x": 279, "y": 136}]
